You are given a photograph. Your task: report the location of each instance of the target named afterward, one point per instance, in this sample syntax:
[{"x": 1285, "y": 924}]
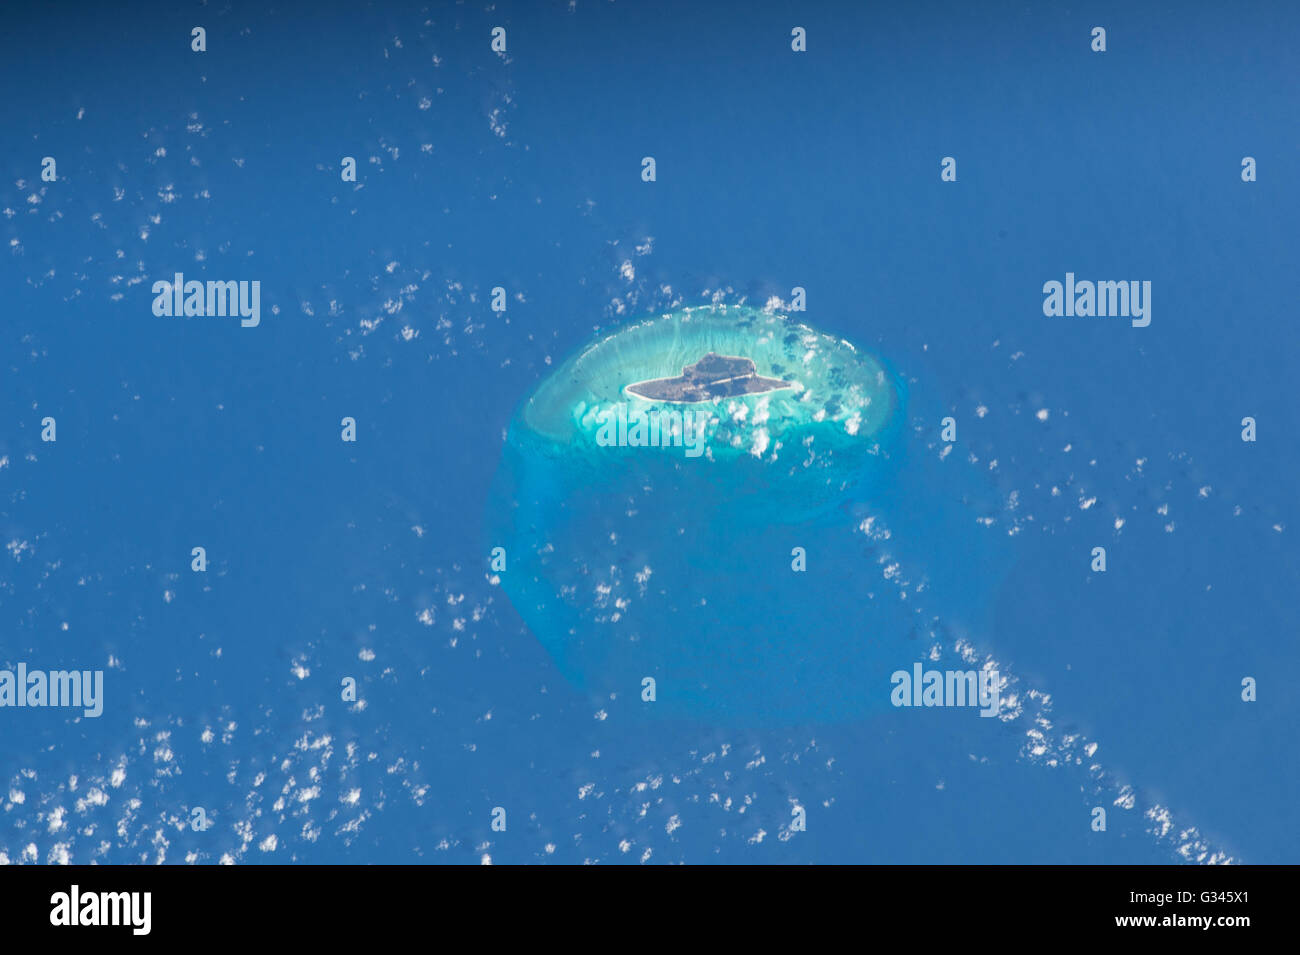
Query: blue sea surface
[{"x": 369, "y": 561}]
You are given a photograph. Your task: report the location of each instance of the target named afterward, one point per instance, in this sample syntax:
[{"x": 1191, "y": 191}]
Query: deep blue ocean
[{"x": 522, "y": 169}]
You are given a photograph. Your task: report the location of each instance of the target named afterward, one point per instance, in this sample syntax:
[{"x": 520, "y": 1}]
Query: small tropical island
[{"x": 713, "y": 376}]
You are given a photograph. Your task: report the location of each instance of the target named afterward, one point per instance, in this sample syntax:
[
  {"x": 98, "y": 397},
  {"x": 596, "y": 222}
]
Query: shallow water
[{"x": 630, "y": 563}]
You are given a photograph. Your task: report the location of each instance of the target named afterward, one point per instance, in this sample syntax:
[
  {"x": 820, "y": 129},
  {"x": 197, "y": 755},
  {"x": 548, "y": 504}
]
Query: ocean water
[{"x": 521, "y": 690}]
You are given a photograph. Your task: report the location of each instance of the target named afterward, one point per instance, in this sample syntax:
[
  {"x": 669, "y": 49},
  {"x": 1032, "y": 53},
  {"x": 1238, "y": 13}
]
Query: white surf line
[{"x": 1043, "y": 744}]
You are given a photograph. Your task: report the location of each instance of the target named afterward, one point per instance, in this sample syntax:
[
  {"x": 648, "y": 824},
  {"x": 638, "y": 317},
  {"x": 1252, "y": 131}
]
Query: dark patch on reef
[{"x": 713, "y": 376}]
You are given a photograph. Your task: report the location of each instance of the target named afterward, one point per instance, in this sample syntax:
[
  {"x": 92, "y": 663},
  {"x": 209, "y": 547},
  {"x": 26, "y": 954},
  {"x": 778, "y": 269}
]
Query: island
[{"x": 713, "y": 376}]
